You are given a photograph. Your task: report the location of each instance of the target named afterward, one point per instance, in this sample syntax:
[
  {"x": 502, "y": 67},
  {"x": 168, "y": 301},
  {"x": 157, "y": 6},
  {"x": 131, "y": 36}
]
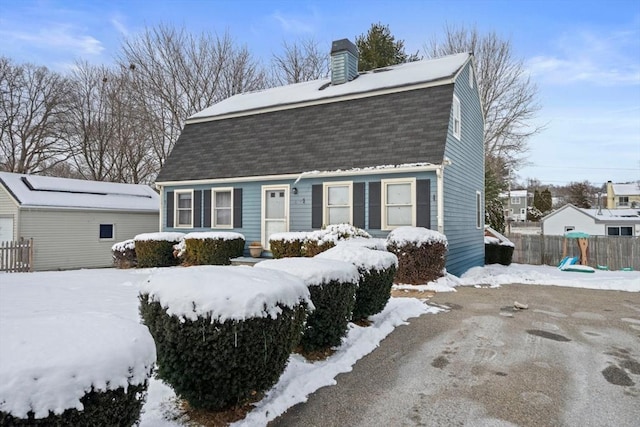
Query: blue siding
[{"x": 462, "y": 179}]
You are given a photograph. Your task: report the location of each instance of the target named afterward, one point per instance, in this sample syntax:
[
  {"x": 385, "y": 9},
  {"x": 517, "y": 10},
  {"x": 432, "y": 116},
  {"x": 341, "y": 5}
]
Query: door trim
[{"x": 263, "y": 213}]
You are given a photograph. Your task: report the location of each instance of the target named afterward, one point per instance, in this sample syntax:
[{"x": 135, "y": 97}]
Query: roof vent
[{"x": 344, "y": 61}]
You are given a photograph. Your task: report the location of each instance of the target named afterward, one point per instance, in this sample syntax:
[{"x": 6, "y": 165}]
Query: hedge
[
  {"x": 311, "y": 243},
  {"x": 101, "y": 408},
  {"x": 421, "y": 254},
  {"x": 124, "y": 254},
  {"x": 212, "y": 248},
  {"x": 156, "y": 249}
]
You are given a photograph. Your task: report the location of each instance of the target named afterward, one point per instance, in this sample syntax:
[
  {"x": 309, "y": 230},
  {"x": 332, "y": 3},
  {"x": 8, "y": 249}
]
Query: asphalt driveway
[{"x": 571, "y": 359}]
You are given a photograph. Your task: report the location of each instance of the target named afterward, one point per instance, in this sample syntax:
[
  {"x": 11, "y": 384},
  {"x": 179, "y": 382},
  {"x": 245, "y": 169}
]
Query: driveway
[{"x": 571, "y": 359}]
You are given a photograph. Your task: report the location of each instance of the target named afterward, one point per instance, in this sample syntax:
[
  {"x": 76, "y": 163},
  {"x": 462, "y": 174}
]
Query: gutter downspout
[{"x": 440, "y": 198}]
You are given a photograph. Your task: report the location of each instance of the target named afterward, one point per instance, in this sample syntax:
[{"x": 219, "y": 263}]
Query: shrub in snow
[
  {"x": 73, "y": 370},
  {"x": 376, "y": 268},
  {"x": 212, "y": 248},
  {"x": 287, "y": 245},
  {"x": 421, "y": 254},
  {"x": 332, "y": 286},
  {"x": 124, "y": 254},
  {"x": 156, "y": 249},
  {"x": 223, "y": 333},
  {"x": 311, "y": 243}
]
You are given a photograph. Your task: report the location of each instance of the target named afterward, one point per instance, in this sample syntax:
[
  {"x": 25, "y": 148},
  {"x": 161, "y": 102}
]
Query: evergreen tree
[
  {"x": 493, "y": 208},
  {"x": 546, "y": 201},
  {"x": 379, "y": 48}
]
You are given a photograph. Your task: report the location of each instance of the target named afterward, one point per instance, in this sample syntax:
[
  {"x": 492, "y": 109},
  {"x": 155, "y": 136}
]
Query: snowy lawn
[{"x": 33, "y": 297}]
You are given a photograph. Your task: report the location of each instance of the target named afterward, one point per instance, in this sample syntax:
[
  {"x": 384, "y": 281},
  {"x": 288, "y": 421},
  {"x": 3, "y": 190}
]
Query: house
[
  {"x": 515, "y": 205},
  {"x": 623, "y": 196},
  {"x": 73, "y": 223},
  {"x": 400, "y": 145},
  {"x": 596, "y": 222}
]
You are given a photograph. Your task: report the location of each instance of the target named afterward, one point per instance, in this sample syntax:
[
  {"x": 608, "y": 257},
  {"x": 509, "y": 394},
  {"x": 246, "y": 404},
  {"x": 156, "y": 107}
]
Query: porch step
[{"x": 245, "y": 260}]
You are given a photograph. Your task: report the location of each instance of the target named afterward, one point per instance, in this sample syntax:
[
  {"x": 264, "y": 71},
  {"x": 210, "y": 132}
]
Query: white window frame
[
  {"x": 383, "y": 198},
  {"x": 479, "y": 216},
  {"x": 457, "y": 118},
  {"x": 515, "y": 200},
  {"x": 176, "y": 209},
  {"x": 113, "y": 231},
  {"x": 325, "y": 199},
  {"x": 620, "y": 227},
  {"x": 214, "y": 224}
]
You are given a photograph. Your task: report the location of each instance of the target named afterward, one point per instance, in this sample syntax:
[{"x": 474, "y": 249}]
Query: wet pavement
[{"x": 572, "y": 358}]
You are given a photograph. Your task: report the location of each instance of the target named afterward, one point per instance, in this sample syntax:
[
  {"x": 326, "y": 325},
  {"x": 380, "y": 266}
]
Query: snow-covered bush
[
  {"x": 311, "y": 243},
  {"x": 73, "y": 370},
  {"x": 223, "y": 333},
  {"x": 332, "y": 285},
  {"x": 212, "y": 248},
  {"x": 377, "y": 269},
  {"x": 156, "y": 249},
  {"x": 421, "y": 254},
  {"x": 287, "y": 245},
  {"x": 124, "y": 254}
]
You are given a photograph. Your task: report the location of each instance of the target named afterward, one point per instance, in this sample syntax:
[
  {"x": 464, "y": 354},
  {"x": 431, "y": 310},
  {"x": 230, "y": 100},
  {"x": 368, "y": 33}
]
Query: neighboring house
[
  {"x": 515, "y": 204},
  {"x": 623, "y": 196},
  {"x": 596, "y": 222},
  {"x": 73, "y": 223},
  {"x": 401, "y": 145}
]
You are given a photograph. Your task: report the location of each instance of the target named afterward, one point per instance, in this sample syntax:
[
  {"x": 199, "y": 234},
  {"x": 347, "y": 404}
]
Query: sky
[{"x": 583, "y": 56}]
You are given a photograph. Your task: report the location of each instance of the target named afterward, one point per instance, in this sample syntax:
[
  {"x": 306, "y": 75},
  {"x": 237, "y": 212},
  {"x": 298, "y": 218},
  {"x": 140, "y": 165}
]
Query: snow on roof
[
  {"x": 407, "y": 74},
  {"x": 314, "y": 271},
  {"x": 613, "y": 214},
  {"x": 48, "y": 192},
  {"x": 224, "y": 292},
  {"x": 514, "y": 193},
  {"x": 632, "y": 189}
]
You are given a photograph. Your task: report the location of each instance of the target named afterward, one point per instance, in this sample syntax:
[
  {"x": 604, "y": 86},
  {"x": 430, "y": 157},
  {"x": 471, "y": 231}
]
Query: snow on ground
[{"x": 110, "y": 292}]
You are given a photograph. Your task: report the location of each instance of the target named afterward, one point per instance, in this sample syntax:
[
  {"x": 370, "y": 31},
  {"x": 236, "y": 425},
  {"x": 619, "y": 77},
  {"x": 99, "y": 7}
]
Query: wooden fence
[
  {"x": 17, "y": 256},
  {"x": 613, "y": 252}
]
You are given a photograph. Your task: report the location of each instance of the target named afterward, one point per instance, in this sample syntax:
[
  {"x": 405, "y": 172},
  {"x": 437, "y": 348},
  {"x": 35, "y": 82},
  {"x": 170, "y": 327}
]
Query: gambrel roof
[{"x": 394, "y": 116}]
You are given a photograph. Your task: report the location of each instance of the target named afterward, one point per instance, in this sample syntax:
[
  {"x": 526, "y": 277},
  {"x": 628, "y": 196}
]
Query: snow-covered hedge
[
  {"x": 311, "y": 243},
  {"x": 212, "y": 248},
  {"x": 73, "y": 369},
  {"x": 422, "y": 254},
  {"x": 332, "y": 285},
  {"x": 377, "y": 269},
  {"x": 223, "y": 333},
  {"x": 124, "y": 254},
  {"x": 156, "y": 249}
]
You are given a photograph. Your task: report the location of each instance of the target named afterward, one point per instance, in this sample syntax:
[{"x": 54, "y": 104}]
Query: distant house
[
  {"x": 73, "y": 223},
  {"x": 515, "y": 204},
  {"x": 400, "y": 145},
  {"x": 596, "y": 222},
  {"x": 623, "y": 196}
]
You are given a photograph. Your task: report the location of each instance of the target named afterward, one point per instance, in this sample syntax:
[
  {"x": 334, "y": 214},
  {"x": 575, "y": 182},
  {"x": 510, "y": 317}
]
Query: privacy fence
[
  {"x": 17, "y": 256},
  {"x": 613, "y": 252}
]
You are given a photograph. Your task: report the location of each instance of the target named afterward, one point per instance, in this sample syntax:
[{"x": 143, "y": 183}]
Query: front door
[{"x": 275, "y": 211}]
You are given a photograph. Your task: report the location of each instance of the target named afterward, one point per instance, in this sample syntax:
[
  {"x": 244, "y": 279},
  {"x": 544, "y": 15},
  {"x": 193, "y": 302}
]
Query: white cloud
[
  {"x": 118, "y": 24},
  {"x": 61, "y": 37},
  {"x": 292, "y": 24},
  {"x": 589, "y": 57}
]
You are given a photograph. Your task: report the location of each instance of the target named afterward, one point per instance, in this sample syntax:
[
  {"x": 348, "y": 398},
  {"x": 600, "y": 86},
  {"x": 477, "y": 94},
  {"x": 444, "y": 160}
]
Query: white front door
[
  {"x": 275, "y": 211},
  {"x": 6, "y": 229}
]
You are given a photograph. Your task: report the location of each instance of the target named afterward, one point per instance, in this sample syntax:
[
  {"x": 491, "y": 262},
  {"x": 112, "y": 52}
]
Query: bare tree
[
  {"x": 176, "y": 74},
  {"x": 509, "y": 97},
  {"x": 300, "y": 61},
  {"x": 32, "y": 107}
]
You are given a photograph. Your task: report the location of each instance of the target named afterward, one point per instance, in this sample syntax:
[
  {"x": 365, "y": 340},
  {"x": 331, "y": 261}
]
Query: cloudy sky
[{"x": 583, "y": 55}]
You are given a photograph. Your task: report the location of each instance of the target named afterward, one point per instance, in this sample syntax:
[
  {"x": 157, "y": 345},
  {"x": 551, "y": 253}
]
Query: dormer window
[{"x": 457, "y": 121}]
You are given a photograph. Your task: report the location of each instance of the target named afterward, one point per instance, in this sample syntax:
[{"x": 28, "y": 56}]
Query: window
[
  {"x": 479, "y": 220},
  {"x": 619, "y": 231},
  {"x": 338, "y": 203},
  {"x": 457, "y": 121},
  {"x": 569, "y": 228},
  {"x": 523, "y": 211},
  {"x": 623, "y": 201},
  {"x": 222, "y": 208},
  {"x": 184, "y": 208},
  {"x": 106, "y": 231},
  {"x": 515, "y": 200},
  {"x": 398, "y": 202}
]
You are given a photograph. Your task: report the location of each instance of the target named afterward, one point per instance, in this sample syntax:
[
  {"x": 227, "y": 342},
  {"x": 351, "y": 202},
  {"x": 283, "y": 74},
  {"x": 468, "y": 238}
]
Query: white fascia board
[
  {"x": 87, "y": 208},
  {"x": 303, "y": 175},
  {"x": 349, "y": 97}
]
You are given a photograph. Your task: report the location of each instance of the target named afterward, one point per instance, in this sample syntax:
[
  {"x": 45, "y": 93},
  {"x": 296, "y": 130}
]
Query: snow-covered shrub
[
  {"x": 421, "y": 254},
  {"x": 124, "y": 254},
  {"x": 497, "y": 252},
  {"x": 223, "y": 333},
  {"x": 287, "y": 245},
  {"x": 74, "y": 370},
  {"x": 376, "y": 268},
  {"x": 212, "y": 248},
  {"x": 332, "y": 285},
  {"x": 311, "y": 243},
  {"x": 156, "y": 249}
]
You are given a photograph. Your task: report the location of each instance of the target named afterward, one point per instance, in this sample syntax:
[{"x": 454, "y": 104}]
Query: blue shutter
[
  {"x": 237, "y": 208},
  {"x": 358, "y": 204},
  {"x": 197, "y": 208},
  {"x": 375, "y": 206},
  {"x": 169, "y": 215},
  {"x": 206, "y": 196},
  {"x": 423, "y": 203},
  {"x": 316, "y": 206}
]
